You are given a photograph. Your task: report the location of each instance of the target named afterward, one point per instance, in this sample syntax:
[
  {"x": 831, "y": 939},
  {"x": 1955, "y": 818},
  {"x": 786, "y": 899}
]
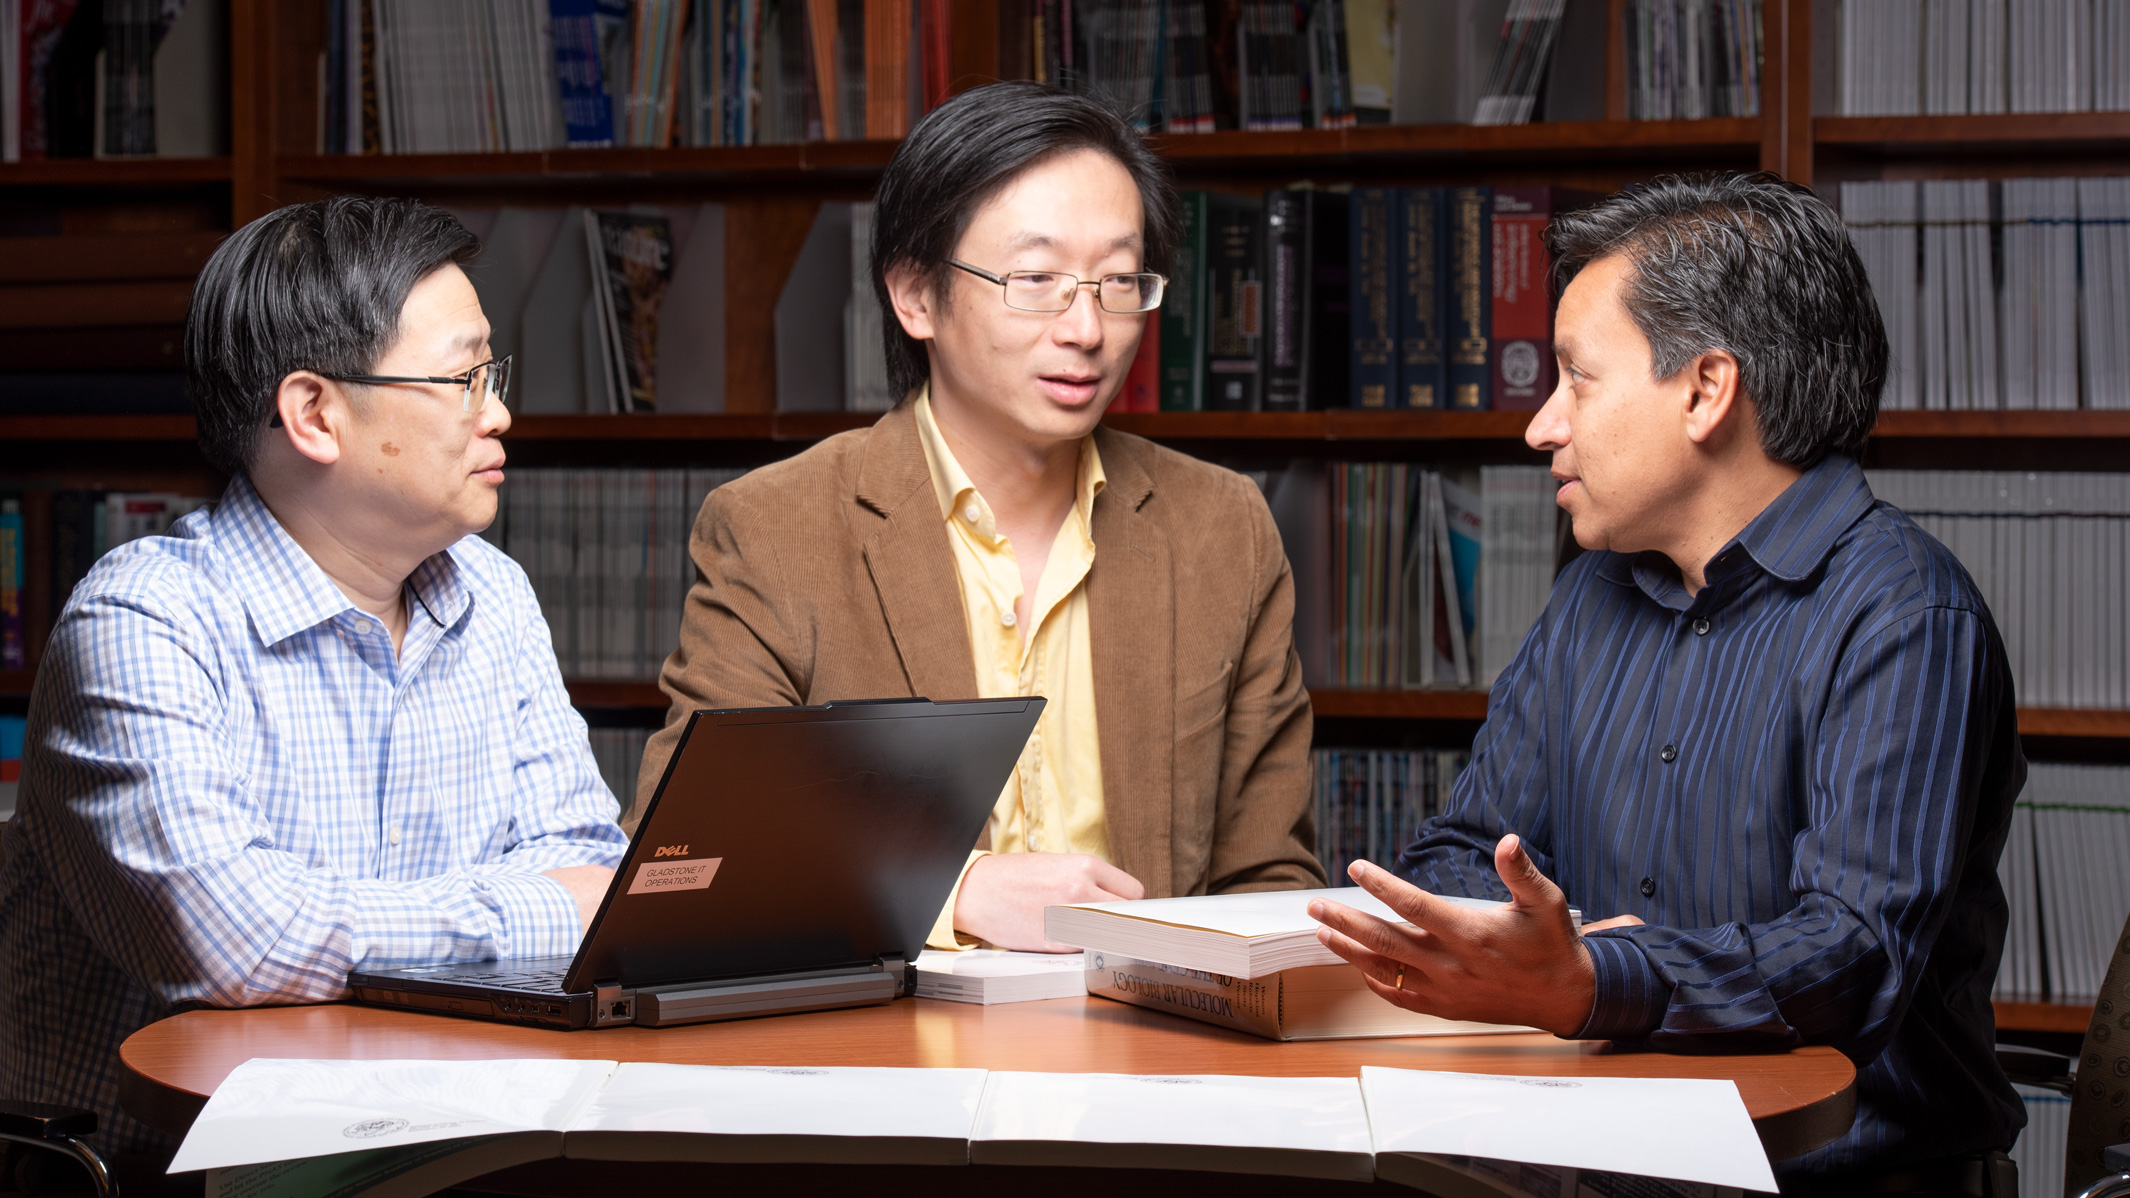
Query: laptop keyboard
[{"x": 539, "y": 981}]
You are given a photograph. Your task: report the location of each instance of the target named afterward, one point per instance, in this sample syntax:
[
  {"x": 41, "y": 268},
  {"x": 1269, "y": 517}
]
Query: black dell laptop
[{"x": 792, "y": 859}]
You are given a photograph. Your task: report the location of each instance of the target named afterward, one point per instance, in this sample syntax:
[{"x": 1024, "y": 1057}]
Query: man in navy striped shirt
[{"x": 1766, "y": 724}]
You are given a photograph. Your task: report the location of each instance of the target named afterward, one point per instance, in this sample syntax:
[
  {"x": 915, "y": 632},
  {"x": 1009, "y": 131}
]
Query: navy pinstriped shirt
[{"x": 1800, "y": 778}]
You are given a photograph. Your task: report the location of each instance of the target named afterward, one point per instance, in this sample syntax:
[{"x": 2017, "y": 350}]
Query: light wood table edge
[{"x": 1817, "y": 1118}]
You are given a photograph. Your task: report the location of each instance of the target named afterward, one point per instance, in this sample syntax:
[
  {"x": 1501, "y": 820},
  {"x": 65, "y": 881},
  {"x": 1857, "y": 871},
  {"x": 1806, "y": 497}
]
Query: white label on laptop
[{"x": 658, "y": 877}]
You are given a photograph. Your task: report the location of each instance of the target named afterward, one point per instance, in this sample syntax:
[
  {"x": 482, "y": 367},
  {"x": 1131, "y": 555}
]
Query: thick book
[
  {"x": 1328, "y": 305},
  {"x": 1183, "y": 313},
  {"x": 1235, "y": 263},
  {"x": 1524, "y": 370},
  {"x": 1314, "y": 1002},
  {"x": 989, "y": 975},
  {"x": 1423, "y": 293},
  {"x": 587, "y": 109},
  {"x": 1470, "y": 309},
  {"x": 1372, "y": 366},
  {"x": 1286, "y": 297},
  {"x": 1243, "y": 935},
  {"x": 1284, "y": 1126}
]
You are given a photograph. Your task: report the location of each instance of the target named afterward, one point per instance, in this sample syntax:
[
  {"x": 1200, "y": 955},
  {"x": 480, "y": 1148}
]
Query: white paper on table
[
  {"x": 999, "y": 963},
  {"x": 797, "y": 1101},
  {"x": 1684, "y": 1128},
  {"x": 274, "y": 1110},
  {"x": 1318, "y": 1114}
]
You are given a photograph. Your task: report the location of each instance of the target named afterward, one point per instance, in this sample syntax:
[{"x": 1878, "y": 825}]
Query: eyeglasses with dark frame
[
  {"x": 491, "y": 377},
  {"x": 1050, "y": 291}
]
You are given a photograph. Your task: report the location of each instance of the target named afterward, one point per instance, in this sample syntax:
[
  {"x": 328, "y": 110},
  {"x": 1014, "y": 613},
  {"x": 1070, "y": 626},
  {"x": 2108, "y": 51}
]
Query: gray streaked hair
[{"x": 1755, "y": 266}]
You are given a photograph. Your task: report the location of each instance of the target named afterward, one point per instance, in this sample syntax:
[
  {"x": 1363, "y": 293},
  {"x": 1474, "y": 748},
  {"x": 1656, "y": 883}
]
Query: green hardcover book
[{"x": 1183, "y": 315}]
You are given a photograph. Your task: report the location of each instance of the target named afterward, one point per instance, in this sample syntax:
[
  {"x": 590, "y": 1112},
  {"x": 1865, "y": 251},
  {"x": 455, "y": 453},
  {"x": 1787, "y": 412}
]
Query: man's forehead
[{"x": 1038, "y": 239}]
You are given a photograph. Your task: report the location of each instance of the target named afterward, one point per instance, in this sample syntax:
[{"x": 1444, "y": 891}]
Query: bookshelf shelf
[
  {"x": 2081, "y": 722},
  {"x": 1342, "y": 425},
  {"x": 2043, "y": 1017},
  {"x": 114, "y": 172},
  {"x": 601, "y": 693},
  {"x": 2020, "y": 133},
  {"x": 1400, "y": 705},
  {"x": 1721, "y": 139}
]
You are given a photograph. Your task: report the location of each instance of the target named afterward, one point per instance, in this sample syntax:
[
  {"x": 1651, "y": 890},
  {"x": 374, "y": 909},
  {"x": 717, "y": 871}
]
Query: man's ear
[
  {"x": 911, "y": 295},
  {"x": 309, "y": 411},
  {"x": 1711, "y": 393}
]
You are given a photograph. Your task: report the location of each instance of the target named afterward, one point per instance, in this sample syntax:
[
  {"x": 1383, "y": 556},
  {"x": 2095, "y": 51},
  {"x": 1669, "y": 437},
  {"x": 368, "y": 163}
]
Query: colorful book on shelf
[
  {"x": 1183, "y": 311},
  {"x": 1234, "y": 285},
  {"x": 1421, "y": 282},
  {"x": 1522, "y": 302},
  {"x": 632, "y": 267},
  {"x": 1470, "y": 309},
  {"x": 1373, "y": 235},
  {"x": 587, "y": 110}
]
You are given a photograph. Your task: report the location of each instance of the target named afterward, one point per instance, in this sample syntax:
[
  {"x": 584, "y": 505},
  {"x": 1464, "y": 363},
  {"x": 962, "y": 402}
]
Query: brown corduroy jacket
[{"x": 829, "y": 576}]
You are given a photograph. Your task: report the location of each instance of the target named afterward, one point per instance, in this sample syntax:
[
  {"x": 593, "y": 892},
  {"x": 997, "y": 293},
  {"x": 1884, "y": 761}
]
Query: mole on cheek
[{"x": 390, "y": 450}]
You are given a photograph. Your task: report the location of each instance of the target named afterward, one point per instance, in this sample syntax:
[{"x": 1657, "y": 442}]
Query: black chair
[
  {"x": 57, "y": 1129},
  {"x": 2097, "y": 1157}
]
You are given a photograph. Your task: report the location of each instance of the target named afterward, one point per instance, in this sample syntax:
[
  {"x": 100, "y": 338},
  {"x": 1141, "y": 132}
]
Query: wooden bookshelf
[
  {"x": 114, "y": 172},
  {"x": 2035, "y": 1016},
  {"x": 1293, "y": 427},
  {"x": 2023, "y": 133}
]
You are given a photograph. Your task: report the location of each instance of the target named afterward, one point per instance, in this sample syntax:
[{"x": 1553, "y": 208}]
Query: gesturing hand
[
  {"x": 1520, "y": 963},
  {"x": 1002, "y": 896}
]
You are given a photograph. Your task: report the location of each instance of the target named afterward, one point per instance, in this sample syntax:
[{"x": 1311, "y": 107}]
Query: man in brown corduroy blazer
[{"x": 838, "y": 575}]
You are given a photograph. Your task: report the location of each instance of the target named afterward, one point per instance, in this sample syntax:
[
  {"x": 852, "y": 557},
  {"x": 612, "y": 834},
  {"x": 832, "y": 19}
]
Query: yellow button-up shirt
[{"x": 1053, "y": 802}]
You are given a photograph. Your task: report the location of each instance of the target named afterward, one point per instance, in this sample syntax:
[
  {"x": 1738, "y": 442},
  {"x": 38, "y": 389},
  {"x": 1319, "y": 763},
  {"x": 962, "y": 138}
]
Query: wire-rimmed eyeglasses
[
  {"x": 1050, "y": 291},
  {"x": 488, "y": 381}
]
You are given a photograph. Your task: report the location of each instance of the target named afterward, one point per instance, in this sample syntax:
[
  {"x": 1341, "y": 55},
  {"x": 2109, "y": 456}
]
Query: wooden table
[{"x": 1799, "y": 1100}]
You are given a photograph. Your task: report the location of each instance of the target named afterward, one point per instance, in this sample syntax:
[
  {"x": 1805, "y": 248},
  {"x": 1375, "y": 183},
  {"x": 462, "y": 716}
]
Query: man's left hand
[{"x": 1521, "y": 963}]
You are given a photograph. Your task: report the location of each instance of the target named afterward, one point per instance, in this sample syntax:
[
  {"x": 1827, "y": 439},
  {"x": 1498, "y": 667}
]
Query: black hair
[
  {"x": 1759, "y": 267},
  {"x": 967, "y": 151},
  {"x": 315, "y": 286}
]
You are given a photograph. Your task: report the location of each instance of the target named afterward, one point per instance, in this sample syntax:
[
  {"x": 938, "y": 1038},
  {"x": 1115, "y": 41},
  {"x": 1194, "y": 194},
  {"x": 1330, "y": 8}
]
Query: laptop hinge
[
  {"x": 737, "y": 998},
  {"x": 613, "y": 1004}
]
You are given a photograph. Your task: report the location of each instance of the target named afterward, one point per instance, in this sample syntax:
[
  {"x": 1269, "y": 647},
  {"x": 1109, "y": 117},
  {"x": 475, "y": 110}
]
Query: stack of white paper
[
  {"x": 1683, "y": 1128},
  {"x": 987, "y": 976},
  {"x": 1290, "y": 1126},
  {"x": 1240, "y": 935}
]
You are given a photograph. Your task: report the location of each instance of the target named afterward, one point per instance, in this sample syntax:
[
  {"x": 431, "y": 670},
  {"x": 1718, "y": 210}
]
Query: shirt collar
[
  {"x": 1790, "y": 539},
  {"x": 286, "y": 592},
  {"x": 951, "y": 485},
  {"x": 1793, "y": 536}
]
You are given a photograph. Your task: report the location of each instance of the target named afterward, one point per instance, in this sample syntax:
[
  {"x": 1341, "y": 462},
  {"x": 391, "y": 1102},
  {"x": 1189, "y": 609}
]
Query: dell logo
[{"x": 671, "y": 850}]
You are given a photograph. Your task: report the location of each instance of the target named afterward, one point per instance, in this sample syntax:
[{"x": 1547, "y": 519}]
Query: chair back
[{"x": 2100, "y": 1097}]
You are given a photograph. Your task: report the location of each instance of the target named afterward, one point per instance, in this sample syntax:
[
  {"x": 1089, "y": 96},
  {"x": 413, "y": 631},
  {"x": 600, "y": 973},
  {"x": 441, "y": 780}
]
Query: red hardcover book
[
  {"x": 1523, "y": 368},
  {"x": 1142, "y": 386}
]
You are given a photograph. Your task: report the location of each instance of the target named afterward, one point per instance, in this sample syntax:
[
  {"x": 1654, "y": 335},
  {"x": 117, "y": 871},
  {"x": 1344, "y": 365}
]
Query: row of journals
[
  {"x": 2051, "y": 555},
  {"x": 524, "y": 75},
  {"x": 2063, "y": 876},
  {"x": 276, "y": 1127},
  {"x": 607, "y": 554},
  {"x": 1298, "y": 300},
  {"x": 1949, "y": 57},
  {"x": 1410, "y": 578},
  {"x": 2008, "y": 294},
  {"x": 115, "y": 78},
  {"x": 1368, "y": 801}
]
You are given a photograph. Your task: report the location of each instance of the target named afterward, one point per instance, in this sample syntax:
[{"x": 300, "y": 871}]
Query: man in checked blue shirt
[
  {"x": 1766, "y": 723},
  {"x": 319, "y": 725}
]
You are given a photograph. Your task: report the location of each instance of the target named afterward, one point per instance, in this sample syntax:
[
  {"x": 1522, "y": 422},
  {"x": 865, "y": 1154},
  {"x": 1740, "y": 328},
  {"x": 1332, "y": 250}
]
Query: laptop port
[{"x": 621, "y": 1010}]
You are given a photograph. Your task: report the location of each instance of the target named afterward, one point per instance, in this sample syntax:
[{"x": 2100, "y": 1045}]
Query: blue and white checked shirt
[
  {"x": 1800, "y": 778},
  {"x": 232, "y": 792}
]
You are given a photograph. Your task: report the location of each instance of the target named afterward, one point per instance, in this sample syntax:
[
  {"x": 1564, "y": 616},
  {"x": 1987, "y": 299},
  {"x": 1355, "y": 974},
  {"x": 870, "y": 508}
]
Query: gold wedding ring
[{"x": 1398, "y": 982}]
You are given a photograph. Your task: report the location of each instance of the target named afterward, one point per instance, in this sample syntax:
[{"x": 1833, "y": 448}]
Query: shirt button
[
  {"x": 1669, "y": 753},
  {"x": 1700, "y": 627},
  {"x": 1008, "y": 619},
  {"x": 1649, "y": 887},
  {"x": 395, "y": 836},
  {"x": 970, "y": 513}
]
